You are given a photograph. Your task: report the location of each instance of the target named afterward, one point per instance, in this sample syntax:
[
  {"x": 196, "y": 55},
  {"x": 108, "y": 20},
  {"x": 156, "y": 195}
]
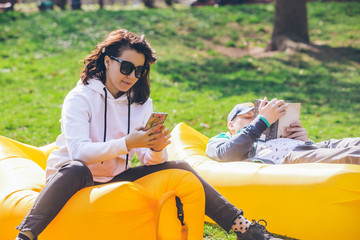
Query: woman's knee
[
  {"x": 77, "y": 171},
  {"x": 181, "y": 164}
]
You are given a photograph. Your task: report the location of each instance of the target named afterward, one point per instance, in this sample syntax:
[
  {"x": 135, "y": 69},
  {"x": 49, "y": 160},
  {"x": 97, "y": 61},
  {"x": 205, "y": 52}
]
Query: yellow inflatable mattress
[
  {"x": 304, "y": 201},
  {"x": 144, "y": 209}
]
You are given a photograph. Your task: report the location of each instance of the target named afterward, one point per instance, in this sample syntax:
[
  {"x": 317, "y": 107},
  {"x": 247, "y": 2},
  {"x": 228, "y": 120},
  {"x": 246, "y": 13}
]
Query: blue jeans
[{"x": 75, "y": 175}]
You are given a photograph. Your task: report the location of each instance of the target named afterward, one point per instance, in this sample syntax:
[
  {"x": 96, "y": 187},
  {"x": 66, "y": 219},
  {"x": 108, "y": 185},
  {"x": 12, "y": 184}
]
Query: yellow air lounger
[
  {"x": 144, "y": 209},
  {"x": 304, "y": 201}
]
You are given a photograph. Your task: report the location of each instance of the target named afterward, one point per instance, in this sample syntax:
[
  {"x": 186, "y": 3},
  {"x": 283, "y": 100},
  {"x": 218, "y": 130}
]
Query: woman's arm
[{"x": 75, "y": 124}]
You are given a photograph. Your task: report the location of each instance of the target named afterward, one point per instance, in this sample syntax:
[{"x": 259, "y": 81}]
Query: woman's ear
[{"x": 107, "y": 61}]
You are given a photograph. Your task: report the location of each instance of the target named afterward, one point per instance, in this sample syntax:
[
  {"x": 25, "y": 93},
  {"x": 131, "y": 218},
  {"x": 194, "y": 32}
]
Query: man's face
[{"x": 240, "y": 122}]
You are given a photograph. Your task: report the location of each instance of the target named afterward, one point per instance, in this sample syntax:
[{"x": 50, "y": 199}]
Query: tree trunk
[
  {"x": 149, "y": 3},
  {"x": 169, "y": 2},
  {"x": 290, "y": 28},
  {"x": 60, "y": 3}
]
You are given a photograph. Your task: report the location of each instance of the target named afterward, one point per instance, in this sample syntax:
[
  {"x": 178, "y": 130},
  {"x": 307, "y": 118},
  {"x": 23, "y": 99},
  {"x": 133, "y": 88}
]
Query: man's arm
[{"x": 239, "y": 147}]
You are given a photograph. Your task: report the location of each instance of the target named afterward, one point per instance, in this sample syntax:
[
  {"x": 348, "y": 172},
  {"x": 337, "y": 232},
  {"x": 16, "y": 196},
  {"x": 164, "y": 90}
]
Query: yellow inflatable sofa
[
  {"x": 303, "y": 201},
  {"x": 144, "y": 209}
]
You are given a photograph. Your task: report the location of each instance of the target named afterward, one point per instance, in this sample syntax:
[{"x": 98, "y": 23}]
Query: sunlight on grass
[{"x": 195, "y": 80}]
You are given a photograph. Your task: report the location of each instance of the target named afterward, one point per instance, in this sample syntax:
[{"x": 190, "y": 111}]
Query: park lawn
[{"x": 202, "y": 69}]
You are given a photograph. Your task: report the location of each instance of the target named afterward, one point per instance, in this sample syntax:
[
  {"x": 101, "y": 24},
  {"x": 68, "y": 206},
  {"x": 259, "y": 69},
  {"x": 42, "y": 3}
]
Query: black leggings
[{"x": 75, "y": 175}]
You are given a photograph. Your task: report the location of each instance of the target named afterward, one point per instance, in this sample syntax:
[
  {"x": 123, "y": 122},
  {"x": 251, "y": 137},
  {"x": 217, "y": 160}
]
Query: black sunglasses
[{"x": 127, "y": 68}]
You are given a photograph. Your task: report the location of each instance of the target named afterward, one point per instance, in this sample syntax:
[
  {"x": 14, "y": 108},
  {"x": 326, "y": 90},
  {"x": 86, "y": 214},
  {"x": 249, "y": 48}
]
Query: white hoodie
[{"x": 82, "y": 127}]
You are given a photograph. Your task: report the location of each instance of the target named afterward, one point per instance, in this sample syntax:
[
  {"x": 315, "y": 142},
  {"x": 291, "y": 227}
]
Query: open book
[{"x": 277, "y": 129}]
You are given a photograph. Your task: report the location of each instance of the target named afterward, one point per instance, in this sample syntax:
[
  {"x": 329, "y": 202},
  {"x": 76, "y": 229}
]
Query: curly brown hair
[{"x": 113, "y": 45}]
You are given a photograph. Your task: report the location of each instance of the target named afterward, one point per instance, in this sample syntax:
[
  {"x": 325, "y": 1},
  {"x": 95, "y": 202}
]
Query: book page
[{"x": 292, "y": 115}]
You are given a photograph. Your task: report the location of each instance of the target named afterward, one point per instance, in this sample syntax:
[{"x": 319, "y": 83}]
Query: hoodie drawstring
[
  {"x": 105, "y": 121},
  {"x": 128, "y": 98},
  {"x": 105, "y": 113}
]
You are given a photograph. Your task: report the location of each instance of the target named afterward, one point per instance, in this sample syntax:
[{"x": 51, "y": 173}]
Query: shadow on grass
[{"x": 329, "y": 54}]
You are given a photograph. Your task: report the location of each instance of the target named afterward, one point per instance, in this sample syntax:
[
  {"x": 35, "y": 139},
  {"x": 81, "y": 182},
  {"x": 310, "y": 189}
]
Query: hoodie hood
[{"x": 97, "y": 86}]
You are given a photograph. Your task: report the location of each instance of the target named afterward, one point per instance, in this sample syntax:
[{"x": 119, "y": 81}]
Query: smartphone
[{"x": 155, "y": 118}]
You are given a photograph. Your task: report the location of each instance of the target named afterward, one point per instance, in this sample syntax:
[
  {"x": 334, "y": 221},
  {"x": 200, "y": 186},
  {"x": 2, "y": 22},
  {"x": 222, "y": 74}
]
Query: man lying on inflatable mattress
[{"x": 243, "y": 143}]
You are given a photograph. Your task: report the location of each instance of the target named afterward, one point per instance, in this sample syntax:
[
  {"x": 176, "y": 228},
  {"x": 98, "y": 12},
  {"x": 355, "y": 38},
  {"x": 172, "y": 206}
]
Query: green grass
[{"x": 194, "y": 80}]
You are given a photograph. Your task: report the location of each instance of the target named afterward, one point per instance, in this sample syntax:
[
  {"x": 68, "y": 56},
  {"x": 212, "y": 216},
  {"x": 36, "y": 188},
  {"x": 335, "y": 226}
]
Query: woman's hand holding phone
[
  {"x": 156, "y": 138},
  {"x": 161, "y": 140},
  {"x": 153, "y": 136},
  {"x": 154, "y": 119}
]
